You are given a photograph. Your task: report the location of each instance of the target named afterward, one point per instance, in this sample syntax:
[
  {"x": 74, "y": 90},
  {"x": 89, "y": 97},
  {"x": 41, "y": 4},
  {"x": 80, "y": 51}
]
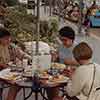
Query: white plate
[
  {"x": 7, "y": 75},
  {"x": 64, "y": 80},
  {"x": 44, "y": 76},
  {"x": 58, "y": 65},
  {"x": 27, "y": 74},
  {"x": 4, "y": 72}
]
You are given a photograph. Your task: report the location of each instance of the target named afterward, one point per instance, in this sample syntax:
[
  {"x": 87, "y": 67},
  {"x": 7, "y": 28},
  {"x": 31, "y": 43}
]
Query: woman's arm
[
  {"x": 20, "y": 54},
  {"x": 2, "y": 66}
]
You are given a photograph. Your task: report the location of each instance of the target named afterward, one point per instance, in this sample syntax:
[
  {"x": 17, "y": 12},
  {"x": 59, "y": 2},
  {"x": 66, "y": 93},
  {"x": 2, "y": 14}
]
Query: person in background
[
  {"x": 9, "y": 53},
  {"x": 94, "y": 5},
  {"x": 75, "y": 15},
  {"x": 86, "y": 22},
  {"x": 3, "y": 13}
]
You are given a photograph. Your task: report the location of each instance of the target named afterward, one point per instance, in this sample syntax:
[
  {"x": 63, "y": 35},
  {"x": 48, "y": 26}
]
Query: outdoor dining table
[{"x": 27, "y": 82}]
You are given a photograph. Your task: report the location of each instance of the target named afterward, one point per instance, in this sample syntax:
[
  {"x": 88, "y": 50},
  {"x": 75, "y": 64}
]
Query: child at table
[{"x": 81, "y": 81}]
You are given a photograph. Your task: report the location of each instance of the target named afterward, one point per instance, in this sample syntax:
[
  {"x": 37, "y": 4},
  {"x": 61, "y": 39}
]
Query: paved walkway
[
  {"x": 95, "y": 31},
  {"x": 94, "y": 43}
]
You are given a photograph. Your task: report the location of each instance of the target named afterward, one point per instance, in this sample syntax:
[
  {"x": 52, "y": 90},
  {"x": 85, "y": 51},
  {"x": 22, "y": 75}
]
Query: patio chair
[{"x": 2, "y": 87}]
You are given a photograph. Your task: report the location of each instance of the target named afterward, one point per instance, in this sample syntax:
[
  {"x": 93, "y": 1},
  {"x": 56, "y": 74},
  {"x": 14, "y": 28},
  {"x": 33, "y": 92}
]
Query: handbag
[{"x": 94, "y": 71}]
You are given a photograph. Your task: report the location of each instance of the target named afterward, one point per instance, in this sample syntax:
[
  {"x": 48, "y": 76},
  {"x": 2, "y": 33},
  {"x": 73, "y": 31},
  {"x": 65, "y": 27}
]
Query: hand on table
[
  {"x": 69, "y": 71},
  {"x": 3, "y": 66},
  {"x": 54, "y": 56}
]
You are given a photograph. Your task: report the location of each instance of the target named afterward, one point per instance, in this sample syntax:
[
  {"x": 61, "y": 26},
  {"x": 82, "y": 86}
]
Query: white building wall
[{"x": 23, "y": 1}]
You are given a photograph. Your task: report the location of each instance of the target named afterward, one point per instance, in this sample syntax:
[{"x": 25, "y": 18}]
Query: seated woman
[
  {"x": 8, "y": 53},
  {"x": 84, "y": 82}
]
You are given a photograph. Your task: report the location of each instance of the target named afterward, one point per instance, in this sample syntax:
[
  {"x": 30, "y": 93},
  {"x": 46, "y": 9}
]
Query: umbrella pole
[
  {"x": 81, "y": 16},
  {"x": 35, "y": 59},
  {"x": 38, "y": 27}
]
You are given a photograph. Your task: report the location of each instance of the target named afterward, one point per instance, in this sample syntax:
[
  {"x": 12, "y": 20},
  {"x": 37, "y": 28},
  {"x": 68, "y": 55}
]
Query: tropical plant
[
  {"x": 20, "y": 24},
  {"x": 23, "y": 26},
  {"x": 11, "y": 2},
  {"x": 53, "y": 24}
]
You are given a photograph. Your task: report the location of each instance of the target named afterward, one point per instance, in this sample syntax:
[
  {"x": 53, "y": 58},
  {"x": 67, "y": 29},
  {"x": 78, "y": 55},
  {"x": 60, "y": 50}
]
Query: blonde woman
[{"x": 8, "y": 53}]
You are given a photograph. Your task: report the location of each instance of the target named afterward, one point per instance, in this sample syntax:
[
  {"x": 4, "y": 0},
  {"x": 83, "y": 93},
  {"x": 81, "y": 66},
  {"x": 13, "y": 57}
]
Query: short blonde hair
[{"x": 82, "y": 51}]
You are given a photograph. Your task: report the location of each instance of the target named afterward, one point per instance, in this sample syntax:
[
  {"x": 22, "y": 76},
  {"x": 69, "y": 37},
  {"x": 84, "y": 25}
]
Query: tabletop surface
[{"x": 17, "y": 78}]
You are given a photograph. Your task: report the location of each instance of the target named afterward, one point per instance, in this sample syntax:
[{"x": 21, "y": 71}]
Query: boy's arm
[{"x": 68, "y": 61}]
